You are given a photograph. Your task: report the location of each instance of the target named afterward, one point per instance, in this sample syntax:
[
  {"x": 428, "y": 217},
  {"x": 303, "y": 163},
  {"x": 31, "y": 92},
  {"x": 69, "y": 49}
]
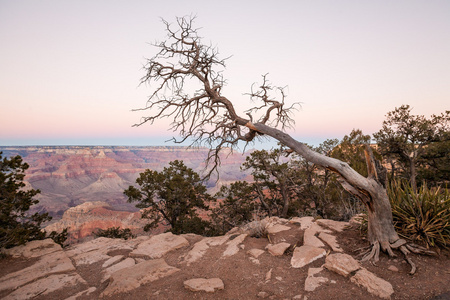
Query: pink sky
[{"x": 70, "y": 69}]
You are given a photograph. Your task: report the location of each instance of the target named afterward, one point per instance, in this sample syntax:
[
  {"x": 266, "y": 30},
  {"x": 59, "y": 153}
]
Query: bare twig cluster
[{"x": 192, "y": 73}]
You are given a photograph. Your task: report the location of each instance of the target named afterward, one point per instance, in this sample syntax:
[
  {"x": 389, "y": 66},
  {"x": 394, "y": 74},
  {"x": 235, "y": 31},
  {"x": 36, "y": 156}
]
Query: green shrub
[
  {"x": 59, "y": 238},
  {"x": 115, "y": 233},
  {"x": 423, "y": 216},
  {"x": 17, "y": 224}
]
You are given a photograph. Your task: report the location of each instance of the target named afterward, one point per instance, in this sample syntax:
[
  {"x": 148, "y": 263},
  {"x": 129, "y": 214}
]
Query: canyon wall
[{"x": 72, "y": 175}]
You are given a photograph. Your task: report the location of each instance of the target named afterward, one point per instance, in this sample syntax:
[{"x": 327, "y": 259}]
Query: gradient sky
[{"x": 70, "y": 70}]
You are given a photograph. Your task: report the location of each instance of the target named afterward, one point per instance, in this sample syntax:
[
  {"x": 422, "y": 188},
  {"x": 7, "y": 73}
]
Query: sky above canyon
[{"x": 70, "y": 70}]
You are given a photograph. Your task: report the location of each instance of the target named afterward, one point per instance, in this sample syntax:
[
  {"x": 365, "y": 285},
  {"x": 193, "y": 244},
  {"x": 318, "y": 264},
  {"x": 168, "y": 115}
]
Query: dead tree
[{"x": 207, "y": 117}]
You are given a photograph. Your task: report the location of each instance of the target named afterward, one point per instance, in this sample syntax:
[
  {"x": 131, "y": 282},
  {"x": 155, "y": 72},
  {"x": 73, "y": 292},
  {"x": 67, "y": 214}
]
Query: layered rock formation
[
  {"x": 70, "y": 176},
  {"x": 85, "y": 219}
]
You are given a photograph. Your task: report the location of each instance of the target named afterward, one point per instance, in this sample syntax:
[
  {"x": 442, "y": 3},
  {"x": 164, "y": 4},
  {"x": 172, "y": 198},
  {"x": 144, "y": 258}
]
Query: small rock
[
  {"x": 263, "y": 295},
  {"x": 331, "y": 241},
  {"x": 393, "y": 268},
  {"x": 311, "y": 282},
  {"x": 277, "y": 249},
  {"x": 205, "y": 285},
  {"x": 279, "y": 278},
  {"x": 297, "y": 297},
  {"x": 341, "y": 263},
  {"x": 255, "y": 252},
  {"x": 306, "y": 254},
  {"x": 254, "y": 260},
  {"x": 268, "y": 275},
  {"x": 374, "y": 285}
]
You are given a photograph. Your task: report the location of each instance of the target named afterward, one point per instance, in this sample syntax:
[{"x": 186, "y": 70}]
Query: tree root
[{"x": 373, "y": 253}]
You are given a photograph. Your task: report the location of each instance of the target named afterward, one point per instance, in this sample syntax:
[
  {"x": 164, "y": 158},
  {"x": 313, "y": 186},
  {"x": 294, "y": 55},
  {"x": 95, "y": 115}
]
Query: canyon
[{"x": 70, "y": 176}]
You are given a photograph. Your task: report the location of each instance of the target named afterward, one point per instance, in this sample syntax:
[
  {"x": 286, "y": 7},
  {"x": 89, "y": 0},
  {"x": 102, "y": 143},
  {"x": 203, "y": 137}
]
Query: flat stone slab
[
  {"x": 56, "y": 262},
  {"x": 34, "y": 249},
  {"x": 334, "y": 225},
  {"x": 159, "y": 245},
  {"x": 341, "y": 263},
  {"x": 202, "y": 246},
  {"x": 331, "y": 241},
  {"x": 374, "y": 284},
  {"x": 233, "y": 245},
  {"x": 309, "y": 237},
  {"x": 206, "y": 285},
  {"x": 112, "y": 261},
  {"x": 129, "y": 262},
  {"x": 277, "y": 228},
  {"x": 255, "y": 253},
  {"x": 133, "y": 277},
  {"x": 96, "y": 250},
  {"x": 277, "y": 249},
  {"x": 312, "y": 282},
  {"x": 45, "y": 286},
  {"x": 82, "y": 293},
  {"x": 305, "y": 254},
  {"x": 304, "y": 222}
]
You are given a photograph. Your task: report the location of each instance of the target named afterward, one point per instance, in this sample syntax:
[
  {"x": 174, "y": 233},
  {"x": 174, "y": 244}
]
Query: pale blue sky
[{"x": 69, "y": 70}]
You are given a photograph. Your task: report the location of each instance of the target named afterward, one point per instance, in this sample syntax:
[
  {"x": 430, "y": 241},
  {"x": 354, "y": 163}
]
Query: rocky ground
[{"x": 300, "y": 258}]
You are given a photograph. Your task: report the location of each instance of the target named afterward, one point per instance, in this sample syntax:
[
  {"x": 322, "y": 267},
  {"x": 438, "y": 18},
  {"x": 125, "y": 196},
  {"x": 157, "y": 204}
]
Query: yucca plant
[{"x": 423, "y": 216}]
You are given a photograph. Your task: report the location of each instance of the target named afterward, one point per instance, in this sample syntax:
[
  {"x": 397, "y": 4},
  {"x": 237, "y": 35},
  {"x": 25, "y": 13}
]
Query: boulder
[
  {"x": 334, "y": 225},
  {"x": 306, "y": 254},
  {"x": 374, "y": 285},
  {"x": 133, "y": 277},
  {"x": 277, "y": 249},
  {"x": 342, "y": 264},
  {"x": 206, "y": 285},
  {"x": 331, "y": 241},
  {"x": 34, "y": 249},
  {"x": 46, "y": 285},
  {"x": 159, "y": 245}
]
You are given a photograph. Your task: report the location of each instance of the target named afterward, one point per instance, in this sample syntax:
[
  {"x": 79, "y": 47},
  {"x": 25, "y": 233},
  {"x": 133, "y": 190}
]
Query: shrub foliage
[
  {"x": 17, "y": 226},
  {"x": 423, "y": 216},
  {"x": 115, "y": 233}
]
